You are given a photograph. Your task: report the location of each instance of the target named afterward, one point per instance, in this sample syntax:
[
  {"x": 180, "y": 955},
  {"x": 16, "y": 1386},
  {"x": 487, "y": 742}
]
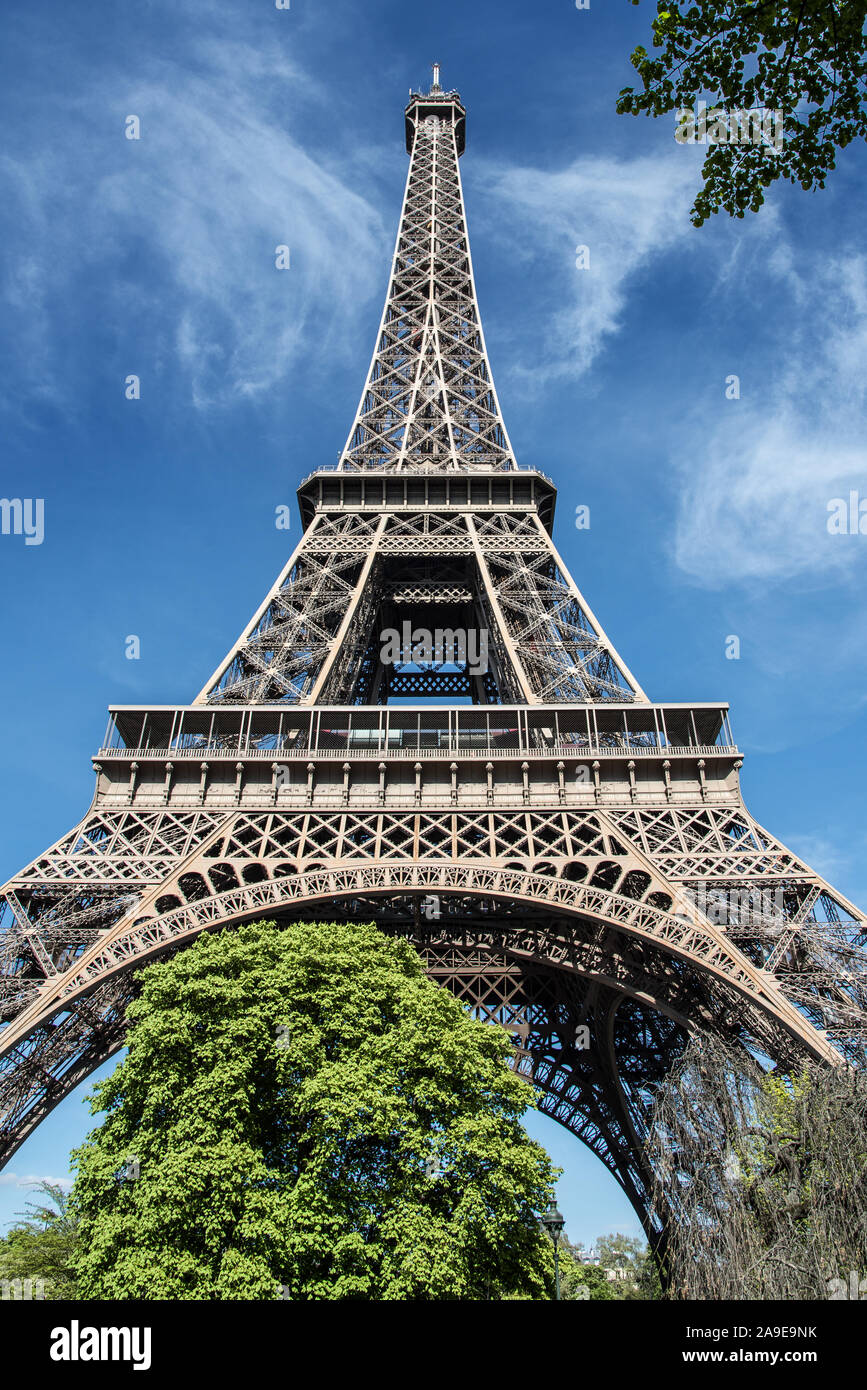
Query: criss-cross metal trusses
[
  {"x": 429, "y": 401},
  {"x": 319, "y": 634}
]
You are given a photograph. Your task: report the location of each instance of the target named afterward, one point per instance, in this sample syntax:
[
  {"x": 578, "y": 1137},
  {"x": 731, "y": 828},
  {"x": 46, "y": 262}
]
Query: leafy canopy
[
  {"x": 805, "y": 58},
  {"x": 308, "y": 1111},
  {"x": 42, "y": 1246}
]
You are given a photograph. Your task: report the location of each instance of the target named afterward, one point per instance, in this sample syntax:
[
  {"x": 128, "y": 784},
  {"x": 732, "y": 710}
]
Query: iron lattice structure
[{"x": 549, "y": 838}]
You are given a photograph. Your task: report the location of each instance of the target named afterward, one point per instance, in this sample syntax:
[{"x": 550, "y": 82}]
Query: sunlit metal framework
[{"x": 547, "y": 837}]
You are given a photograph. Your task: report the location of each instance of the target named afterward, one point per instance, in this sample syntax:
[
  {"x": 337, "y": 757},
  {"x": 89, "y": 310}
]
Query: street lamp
[{"x": 553, "y": 1222}]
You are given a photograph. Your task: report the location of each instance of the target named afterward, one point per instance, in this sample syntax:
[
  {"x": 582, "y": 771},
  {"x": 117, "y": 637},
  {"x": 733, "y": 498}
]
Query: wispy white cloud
[
  {"x": 165, "y": 246},
  {"x": 758, "y": 480},
  {"x": 627, "y": 212}
]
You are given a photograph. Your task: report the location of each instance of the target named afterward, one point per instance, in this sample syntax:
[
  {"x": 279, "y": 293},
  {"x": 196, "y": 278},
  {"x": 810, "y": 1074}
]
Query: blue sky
[{"x": 156, "y": 257}]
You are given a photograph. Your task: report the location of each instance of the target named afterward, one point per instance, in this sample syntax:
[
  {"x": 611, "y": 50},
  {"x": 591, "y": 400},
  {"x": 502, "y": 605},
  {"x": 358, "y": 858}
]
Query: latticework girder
[
  {"x": 429, "y": 401},
  {"x": 308, "y": 643}
]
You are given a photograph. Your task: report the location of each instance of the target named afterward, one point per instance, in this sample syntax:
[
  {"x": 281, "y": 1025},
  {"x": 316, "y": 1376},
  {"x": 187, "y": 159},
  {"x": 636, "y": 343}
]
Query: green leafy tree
[
  {"x": 617, "y": 1251},
  {"x": 576, "y": 1277},
  {"x": 803, "y": 58},
  {"x": 43, "y": 1245},
  {"x": 650, "y": 1286},
  {"x": 627, "y": 1254},
  {"x": 301, "y": 1108},
  {"x": 614, "y": 1252}
]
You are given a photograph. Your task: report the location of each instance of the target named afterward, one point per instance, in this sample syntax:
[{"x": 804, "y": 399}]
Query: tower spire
[{"x": 429, "y": 403}]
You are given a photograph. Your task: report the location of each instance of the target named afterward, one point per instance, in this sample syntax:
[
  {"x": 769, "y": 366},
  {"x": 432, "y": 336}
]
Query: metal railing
[{"x": 580, "y": 752}]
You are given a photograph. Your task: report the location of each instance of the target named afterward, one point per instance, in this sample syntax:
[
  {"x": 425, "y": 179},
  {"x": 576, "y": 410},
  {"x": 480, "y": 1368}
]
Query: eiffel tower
[{"x": 425, "y": 725}]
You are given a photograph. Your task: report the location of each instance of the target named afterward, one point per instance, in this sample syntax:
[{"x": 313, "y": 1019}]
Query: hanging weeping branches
[{"x": 760, "y": 1178}]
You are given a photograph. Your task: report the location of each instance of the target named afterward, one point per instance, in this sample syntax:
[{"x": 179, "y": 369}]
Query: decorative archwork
[{"x": 620, "y": 948}]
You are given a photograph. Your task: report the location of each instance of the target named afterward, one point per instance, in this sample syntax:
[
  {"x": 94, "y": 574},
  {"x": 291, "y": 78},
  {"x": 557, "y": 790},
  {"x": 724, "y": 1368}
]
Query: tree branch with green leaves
[{"x": 806, "y": 59}]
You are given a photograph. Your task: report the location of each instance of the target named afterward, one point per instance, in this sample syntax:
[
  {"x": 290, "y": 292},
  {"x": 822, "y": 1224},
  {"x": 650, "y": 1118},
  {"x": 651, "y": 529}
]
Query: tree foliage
[
  {"x": 309, "y": 1112},
  {"x": 760, "y": 1178},
  {"x": 614, "y": 1252},
  {"x": 43, "y": 1245},
  {"x": 582, "y": 1281},
  {"x": 803, "y": 58}
]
